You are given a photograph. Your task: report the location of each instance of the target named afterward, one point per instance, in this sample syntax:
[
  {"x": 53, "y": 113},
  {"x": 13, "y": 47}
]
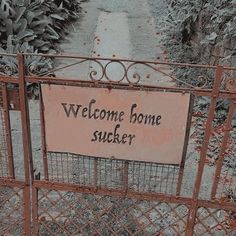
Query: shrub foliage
[{"x": 33, "y": 26}]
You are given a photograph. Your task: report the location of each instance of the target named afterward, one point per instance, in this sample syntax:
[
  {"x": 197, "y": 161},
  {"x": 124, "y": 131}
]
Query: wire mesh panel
[
  {"x": 215, "y": 222},
  {"x": 111, "y": 173},
  {"x": 226, "y": 190},
  {"x": 4, "y": 171},
  {"x": 70, "y": 213},
  {"x": 224, "y": 178},
  {"x": 11, "y": 211},
  {"x": 151, "y": 177},
  {"x": 227, "y": 186}
]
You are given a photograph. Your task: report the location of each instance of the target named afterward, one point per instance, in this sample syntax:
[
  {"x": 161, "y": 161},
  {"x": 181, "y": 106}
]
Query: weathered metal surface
[
  {"x": 6, "y": 115},
  {"x": 13, "y": 99},
  {"x": 144, "y": 198},
  {"x": 227, "y": 129},
  {"x": 230, "y": 84}
]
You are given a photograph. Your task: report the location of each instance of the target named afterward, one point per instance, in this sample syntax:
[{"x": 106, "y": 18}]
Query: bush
[
  {"x": 195, "y": 28},
  {"x": 33, "y": 26},
  {"x": 40, "y": 23},
  {"x": 200, "y": 31}
]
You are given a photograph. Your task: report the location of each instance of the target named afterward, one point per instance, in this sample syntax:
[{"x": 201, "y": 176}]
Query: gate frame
[{"x": 30, "y": 184}]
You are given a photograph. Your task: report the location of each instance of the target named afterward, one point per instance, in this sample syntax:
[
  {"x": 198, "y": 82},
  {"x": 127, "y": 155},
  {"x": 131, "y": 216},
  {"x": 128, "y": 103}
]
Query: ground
[{"x": 120, "y": 29}]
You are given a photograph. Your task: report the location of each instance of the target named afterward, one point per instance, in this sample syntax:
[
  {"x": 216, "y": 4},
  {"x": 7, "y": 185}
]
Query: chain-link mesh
[
  {"x": 11, "y": 211},
  {"x": 69, "y": 213},
  {"x": 227, "y": 185},
  {"x": 215, "y": 222}
]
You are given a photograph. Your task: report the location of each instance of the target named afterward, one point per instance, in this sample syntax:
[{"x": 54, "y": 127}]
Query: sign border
[{"x": 118, "y": 87}]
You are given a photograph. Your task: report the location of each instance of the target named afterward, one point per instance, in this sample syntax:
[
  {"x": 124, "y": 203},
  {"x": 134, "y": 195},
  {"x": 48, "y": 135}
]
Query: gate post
[{"x": 27, "y": 149}]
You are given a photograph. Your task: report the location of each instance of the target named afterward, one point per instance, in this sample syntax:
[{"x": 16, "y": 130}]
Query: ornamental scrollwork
[{"x": 230, "y": 84}]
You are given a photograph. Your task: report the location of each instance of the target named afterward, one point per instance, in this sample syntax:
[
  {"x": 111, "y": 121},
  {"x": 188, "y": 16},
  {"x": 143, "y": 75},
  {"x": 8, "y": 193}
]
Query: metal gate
[{"x": 48, "y": 193}]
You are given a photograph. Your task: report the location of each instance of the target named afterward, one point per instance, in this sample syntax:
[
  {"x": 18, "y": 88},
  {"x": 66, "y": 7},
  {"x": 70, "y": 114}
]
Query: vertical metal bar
[
  {"x": 27, "y": 211},
  {"x": 191, "y": 218},
  {"x": 35, "y": 210},
  {"x": 126, "y": 175},
  {"x": 197, "y": 186},
  {"x": 95, "y": 177},
  {"x": 228, "y": 127},
  {"x": 188, "y": 127},
  {"x": 166, "y": 177},
  {"x": 25, "y": 122},
  {"x": 27, "y": 149},
  {"x": 43, "y": 135},
  {"x": 8, "y": 131}
]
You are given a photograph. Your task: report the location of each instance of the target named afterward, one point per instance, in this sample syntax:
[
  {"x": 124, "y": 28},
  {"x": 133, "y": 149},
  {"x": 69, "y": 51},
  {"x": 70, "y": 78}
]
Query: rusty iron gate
[{"x": 46, "y": 193}]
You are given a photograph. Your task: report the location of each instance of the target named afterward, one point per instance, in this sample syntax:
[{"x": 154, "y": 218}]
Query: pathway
[{"x": 121, "y": 29}]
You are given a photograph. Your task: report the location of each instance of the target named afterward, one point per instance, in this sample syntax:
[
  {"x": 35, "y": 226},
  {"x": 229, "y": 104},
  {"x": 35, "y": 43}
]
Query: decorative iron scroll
[
  {"x": 127, "y": 71},
  {"x": 5, "y": 70},
  {"x": 230, "y": 84}
]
